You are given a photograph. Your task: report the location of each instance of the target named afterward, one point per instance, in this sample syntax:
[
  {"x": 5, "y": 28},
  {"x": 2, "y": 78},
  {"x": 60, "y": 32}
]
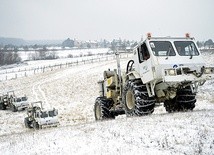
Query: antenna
[{"x": 119, "y": 70}]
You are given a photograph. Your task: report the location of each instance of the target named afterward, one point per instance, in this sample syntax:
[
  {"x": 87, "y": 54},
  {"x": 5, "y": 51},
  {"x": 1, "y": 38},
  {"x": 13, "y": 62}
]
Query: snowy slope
[{"x": 73, "y": 91}]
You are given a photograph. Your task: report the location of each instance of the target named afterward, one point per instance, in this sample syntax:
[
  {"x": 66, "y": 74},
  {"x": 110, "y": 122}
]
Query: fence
[{"x": 7, "y": 74}]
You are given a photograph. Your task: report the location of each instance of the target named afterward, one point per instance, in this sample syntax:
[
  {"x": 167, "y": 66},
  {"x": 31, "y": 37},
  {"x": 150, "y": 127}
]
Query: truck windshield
[
  {"x": 44, "y": 114},
  {"x": 18, "y": 100},
  {"x": 24, "y": 98},
  {"x": 186, "y": 48},
  {"x": 162, "y": 48},
  {"x": 52, "y": 113}
]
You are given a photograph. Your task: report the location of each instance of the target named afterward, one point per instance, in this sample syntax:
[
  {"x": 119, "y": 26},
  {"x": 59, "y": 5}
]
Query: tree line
[
  {"x": 7, "y": 58},
  {"x": 9, "y": 55},
  {"x": 206, "y": 44}
]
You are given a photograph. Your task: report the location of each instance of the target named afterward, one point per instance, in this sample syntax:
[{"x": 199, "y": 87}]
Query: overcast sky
[{"x": 99, "y": 19}]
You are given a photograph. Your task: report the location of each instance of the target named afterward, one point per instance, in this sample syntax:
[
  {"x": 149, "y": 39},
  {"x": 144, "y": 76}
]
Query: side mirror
[{"x": 55, "y": 112}]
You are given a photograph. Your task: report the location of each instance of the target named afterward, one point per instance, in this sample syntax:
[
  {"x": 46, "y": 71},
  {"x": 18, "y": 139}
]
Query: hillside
[
  {"x": 73, "y": 91},
  {"x": 19, "y": 41},
  {"x": 12, "y": 41}
]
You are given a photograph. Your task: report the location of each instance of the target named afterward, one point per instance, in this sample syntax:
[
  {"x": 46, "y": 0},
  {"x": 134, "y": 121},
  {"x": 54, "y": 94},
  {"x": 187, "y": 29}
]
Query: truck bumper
[
  {"x": 21, "y": 106},
  {"x": 187, "y": 78}
]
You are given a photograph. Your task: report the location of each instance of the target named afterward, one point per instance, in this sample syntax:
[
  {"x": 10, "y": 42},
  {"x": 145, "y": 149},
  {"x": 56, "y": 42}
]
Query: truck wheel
[
  {"x": 27, "y": 123},
  {"x": 2, "y": 106},
  {"x": 35, "y": 125},
  {"x": 186, "y": 99},
  {"x": 13, "y": 108},
  {"x": 171, "y": 105},
  {"x": 136, "y": 99},
  {"x": 102, "y": 109}
]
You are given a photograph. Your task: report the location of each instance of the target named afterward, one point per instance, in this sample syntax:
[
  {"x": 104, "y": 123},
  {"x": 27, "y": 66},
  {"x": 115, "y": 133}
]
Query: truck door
[{"x": 145, "y": 64}]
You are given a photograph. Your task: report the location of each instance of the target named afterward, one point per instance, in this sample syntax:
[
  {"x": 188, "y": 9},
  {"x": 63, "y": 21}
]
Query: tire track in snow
[
  {"x": 37, "y": 90},
  {"x": 34, "y": 92},
  {"x": 43, "y": 87},
  {"x": 43, "y": 93}
]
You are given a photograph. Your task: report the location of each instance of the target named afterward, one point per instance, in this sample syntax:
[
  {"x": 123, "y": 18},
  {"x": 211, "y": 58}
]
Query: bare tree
[{"x": 9, "y": 57}]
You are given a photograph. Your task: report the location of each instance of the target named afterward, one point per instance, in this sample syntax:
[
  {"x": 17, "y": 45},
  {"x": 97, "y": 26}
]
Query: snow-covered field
[
  {"x": 34, "y": 67},
  {"x": 26, "y": 55},
  {"x": 73, "y": 91},
  {"x": 27, "y": 68}
]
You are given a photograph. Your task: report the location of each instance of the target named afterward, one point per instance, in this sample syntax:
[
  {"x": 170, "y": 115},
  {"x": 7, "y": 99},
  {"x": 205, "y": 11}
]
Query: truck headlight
[
  {"x": 171, "y": 72},
  {"x": 207, "y": 71}
]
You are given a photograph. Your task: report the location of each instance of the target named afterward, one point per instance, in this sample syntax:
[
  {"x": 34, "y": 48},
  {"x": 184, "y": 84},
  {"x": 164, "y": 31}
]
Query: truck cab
[
  {"x": 165, "y": 70},
  {"x": 170, "y": 62}
]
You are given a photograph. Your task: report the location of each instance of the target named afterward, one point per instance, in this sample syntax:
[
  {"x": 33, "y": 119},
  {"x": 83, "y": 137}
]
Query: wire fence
[{"x": 9, "y": 74}]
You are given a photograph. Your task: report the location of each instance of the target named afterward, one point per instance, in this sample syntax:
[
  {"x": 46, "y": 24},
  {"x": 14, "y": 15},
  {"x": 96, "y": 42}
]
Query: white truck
[
  {"x": 39, "y": 118},
  {"x": 10, "y": 100},
  {"x": 165, "y": 70},
  {"x": 19, "y": 103}
]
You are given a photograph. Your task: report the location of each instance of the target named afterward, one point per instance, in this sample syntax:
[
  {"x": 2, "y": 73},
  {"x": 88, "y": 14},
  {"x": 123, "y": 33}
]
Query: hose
[
  {"x": 198, "y": 75},
  {"x": 129, "y": 67}
]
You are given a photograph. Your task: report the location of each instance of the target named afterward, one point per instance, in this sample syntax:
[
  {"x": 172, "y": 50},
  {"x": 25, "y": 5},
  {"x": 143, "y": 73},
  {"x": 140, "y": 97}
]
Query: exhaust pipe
[{"x": 119, "y": 71}]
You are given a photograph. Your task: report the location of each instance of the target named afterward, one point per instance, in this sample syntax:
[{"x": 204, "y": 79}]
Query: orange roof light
[
  {"x": 149, "y": 35},
  {"x": 187, "y": 35}
]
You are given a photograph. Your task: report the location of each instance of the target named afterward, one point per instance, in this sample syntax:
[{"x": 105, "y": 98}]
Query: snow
[
  {"x": 25, "y": 55},
  {"x": 73, "y": 91},
  {"x": 34, "y": 67},
  {"x": 31, "y": 67}
]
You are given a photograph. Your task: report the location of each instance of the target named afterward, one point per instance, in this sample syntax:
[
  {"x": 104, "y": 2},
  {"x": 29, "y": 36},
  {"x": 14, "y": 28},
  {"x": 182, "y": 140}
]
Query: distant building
[{"x": 68, "y": 43}]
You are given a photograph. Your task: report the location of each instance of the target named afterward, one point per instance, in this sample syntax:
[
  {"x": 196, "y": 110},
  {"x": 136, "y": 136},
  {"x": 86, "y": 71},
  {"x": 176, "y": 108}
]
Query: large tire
[
  {"x": 35, "y": 125},
  {"x": 2, "y": 106},
  {"x": 27, "y": 123},
  {"x": 136, "y": 99},
  {"x": 184, "y": 101},
  {"x": 171, "y": 105},
  {"x": 13, "y": 108},
  {"x": 102, "y": 109}
]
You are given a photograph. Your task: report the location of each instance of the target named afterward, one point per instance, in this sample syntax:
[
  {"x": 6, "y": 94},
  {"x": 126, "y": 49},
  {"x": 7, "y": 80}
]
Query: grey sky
[{"x": 99, "y": 19}]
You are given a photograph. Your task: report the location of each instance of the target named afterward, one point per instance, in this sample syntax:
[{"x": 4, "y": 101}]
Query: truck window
[
  {"x": 37, "y": 115},
  {"x": 143, "y": 53},
  {"x": 24, "y": 98},
  {"x": 162, "y": 48},
  {"x": 18, "y": 100},
  {"x": 44, "y": 114},
  {"x": 186, "y": 48},
  {"x": 52, "y": 113}
]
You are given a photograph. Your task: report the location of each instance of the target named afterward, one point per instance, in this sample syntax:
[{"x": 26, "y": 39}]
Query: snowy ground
[
  {"x": 34, "y": 67},
  {"x": 73, "y": 91},
  {"x": 26, "y": 55},
  {"x": 31, "y": 67}
]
